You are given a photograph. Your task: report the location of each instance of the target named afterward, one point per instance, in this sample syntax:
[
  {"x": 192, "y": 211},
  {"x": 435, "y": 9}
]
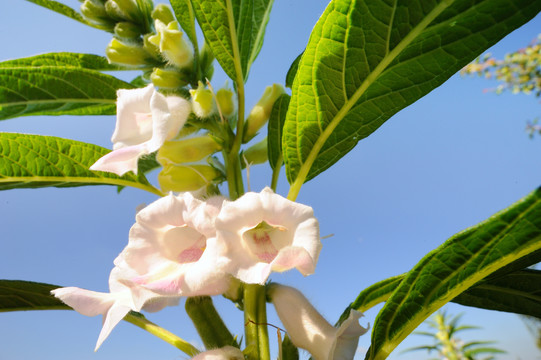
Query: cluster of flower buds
[{"x": 206, "y": 104}]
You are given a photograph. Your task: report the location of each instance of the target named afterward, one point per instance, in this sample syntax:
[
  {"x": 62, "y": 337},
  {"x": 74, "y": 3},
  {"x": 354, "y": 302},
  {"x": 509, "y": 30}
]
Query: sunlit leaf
[
  {"x": 34, "y": 161},
  {"x": 366, "y": 60},
  {"x": 461, "y": 262}
]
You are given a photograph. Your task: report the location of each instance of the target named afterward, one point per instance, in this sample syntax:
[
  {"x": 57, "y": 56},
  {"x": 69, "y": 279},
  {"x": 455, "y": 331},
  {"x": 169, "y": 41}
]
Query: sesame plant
[{"x": 205, "y": 235}]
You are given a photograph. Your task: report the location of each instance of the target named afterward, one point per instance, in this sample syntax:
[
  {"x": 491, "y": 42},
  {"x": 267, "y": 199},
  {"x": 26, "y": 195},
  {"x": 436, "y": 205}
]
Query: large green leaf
[
  {"x": 17, "y": 295},
  {"x": 28, "y": 88},
  {"x": 34, "y": 161},
  {"x": 458, "y": 264},
  {"x": 85, "y": 61},
  {"x": 518, "y": 292},
  {"x": 234, "y": 30},
  {"x": 366, "y": 60}
]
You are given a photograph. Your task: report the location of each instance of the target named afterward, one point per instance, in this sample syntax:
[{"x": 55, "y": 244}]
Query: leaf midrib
[{"x": 370, "y": 79}]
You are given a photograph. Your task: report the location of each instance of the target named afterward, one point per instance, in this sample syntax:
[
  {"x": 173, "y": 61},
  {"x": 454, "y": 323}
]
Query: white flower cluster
[{"x": 182, "y": 246}]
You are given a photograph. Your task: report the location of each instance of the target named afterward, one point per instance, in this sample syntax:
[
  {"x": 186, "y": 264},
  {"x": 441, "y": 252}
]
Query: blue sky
[{"x": 448, "y": 161}]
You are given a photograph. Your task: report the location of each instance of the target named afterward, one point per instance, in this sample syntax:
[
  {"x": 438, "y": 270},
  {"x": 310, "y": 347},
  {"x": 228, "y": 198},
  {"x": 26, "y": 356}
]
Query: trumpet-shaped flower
[
  {"x": 113, "y": 306},
  {"x": 173, "y": 247},
  {"x": 145, "y": 120},
  {"x": 265, "y": 232},
  {"x": 224, "y": 353},
  {"x": 310, "y": 331}
]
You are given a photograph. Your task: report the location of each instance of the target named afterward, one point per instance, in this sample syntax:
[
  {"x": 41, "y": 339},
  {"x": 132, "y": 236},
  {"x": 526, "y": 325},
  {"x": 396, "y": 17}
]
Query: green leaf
[
  {"x": 518, "y": 292},
  {"x": 292, "y": 72},
  {"x": 85, "y": 61},
  {"x": 186, "y": 18},
  {"x": 462, "y": 261},
  {"x": 34, "y": 161},
  {"x": 234, "y": 30},
  {"x": 366, "y": 60},
  {"x": 275, "y": 125},
  {"x": 57, "y": 89},
  {"x": 17, "y": 295}
]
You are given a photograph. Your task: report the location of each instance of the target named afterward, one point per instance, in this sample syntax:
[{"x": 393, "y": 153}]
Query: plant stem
[
  {"x": 255, "y": 322},
  {"x": 276, "y": 173},
  {"x": 143, "y": 323}
]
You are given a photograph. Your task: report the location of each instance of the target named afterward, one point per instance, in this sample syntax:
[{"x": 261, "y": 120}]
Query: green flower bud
[
  {"x": 260, "y": 113},
  {"x": 94, "y": 11},
  {"x": 226, "y": 100},
  {"x": 167, "y": 79},
  {"x": 127, "y": 30},
  {"x": 181, "y": 178},
  {"x": 257, "y": 154},
  {"x": 123, "y": 10},
  {"x": 163, "y": 13},
  {"x": 152, "y": 49},
  {"x": 202, "y": 101},
  {"x": 171, "y": 43},
  {"x": 118, "y": 52},
  {"x": 187, "y": 150}
]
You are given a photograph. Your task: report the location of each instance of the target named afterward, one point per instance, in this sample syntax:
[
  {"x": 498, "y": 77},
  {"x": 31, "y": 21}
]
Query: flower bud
[
  {"x": 180, "y": 178},
  {"x": 119, "y": 52},
  {"x": 122, "y": 9},
  {"x": 202, "y": 101},
  {"x": 127, "y": 30},
  {"x": 257, "y": 154},
  {"x": 187, "y": 150},
  {"x": 151, "y": 48},
  {"x": 310, "y": 331},
  {"x": 94, "y": 11},
  {"x": 163, "y": 13},
  {"x": 226, "y": 100},
  {"x": 260, "y": 113},
  {"x": 171, "y": 43},
  {"x": 167, "y": 78}
]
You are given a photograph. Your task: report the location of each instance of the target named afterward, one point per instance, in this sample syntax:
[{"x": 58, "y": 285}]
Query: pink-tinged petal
[
  {"x": 310, "y": 331},
  {"x": 134, "y": 120},
  {"x": 85, "y": 302},
  {"x": 120, "y": 161},
  {"x": 265, "y": 228},
  {"x": 224, "y": 353}
]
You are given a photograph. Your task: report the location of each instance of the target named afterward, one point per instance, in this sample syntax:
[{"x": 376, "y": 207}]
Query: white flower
[
  {"x": 113, "y": 306},
  {"x": 173, "y": 248},
  {"x": 265, "y": 232},
  {"x": 145, "y": 120},
  {"x": 310, "y": 331},
  {"x": 224, "y": 353}
]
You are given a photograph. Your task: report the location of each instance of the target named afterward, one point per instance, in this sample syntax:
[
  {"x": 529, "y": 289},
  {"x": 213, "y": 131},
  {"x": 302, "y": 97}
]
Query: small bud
[
  {"x": 119, "y": 52},
  {"x": 202, "y": 101},
  {"x": 171, "y": 43},
  {"x": 167, "y": 79},
  {"x": 187, "y": 150},
  {"x": 151, "y": 48},
  {"x": 123, "y": 10},
  {"x": 127, "y": 30},
  {"x": 260, "y": 113},
  {"x": 226, "y": 100},
  {"x": 163, "y": 13},
  {"x": 180, "y": 178},
  {"x": 257, "y": 154},
  {"x": 94, "y": 11}
]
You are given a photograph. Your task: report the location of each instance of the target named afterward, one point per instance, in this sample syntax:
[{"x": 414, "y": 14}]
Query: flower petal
[
  {"x": 132, "y": 126},
  {"x": 121, "y": 161}
]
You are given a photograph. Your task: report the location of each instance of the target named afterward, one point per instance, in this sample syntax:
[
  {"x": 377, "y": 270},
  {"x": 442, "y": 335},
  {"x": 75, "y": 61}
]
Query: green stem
[
  {"x": 255, "y": 322},
  {"x": 139, "y": 320},
  {"x": 208, "y": 323}
]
